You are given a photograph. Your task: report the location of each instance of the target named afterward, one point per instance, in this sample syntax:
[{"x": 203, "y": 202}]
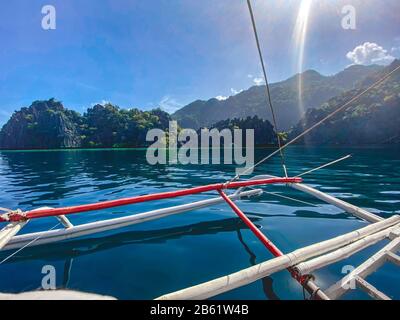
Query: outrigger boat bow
[{"x": 301, "y": 263}]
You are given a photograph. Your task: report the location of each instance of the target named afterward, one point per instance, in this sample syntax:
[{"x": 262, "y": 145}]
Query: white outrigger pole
[
  {"x": 9, "y": 231},
  {"x": 9, "y": 240},
  {"x": 316, "y": 256}
]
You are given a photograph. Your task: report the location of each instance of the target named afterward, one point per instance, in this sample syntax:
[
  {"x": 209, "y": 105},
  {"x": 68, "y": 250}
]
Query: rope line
[
  {"x": 287, "y": 198},
  {"x": 268, "y": 92},
  {"x": 27, "y": 245},
  {"x": 374, "y": 85},
  {"x": 325, "y": 165},
  {"x": 293, "y": 199}
]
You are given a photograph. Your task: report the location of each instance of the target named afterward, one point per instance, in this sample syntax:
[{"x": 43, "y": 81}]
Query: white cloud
[
  {"x": 235, "y": 92},
  {"x": 258, "y": 81},
  {"x": 370, "y": 53},
  {"x": 102, "y": 102},
  {"x": 169, "y": 104}
]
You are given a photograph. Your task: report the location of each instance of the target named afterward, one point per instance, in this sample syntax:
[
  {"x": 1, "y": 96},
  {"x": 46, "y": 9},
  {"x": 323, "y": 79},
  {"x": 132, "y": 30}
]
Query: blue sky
[{"x": 138, "y": 53}]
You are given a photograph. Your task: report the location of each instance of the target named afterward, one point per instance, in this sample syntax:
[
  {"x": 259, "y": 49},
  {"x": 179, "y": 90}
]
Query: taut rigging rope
[
  {"x": 267, "y": 89},
  {"x": 27, "y": 245},
  {"x": 324, "y": 166}
]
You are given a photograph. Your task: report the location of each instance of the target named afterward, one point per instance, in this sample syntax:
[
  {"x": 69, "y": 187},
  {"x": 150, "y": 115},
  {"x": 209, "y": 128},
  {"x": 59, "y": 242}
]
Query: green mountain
[
  {"x": 110, "y": 126},
  {"x": 264, "y": 133},
  {"x": 316, "y": 89},
  {"x": 372, "y": 119},
  {"x": 45, "y": 124},
  {"x": 49, "y": 125}
]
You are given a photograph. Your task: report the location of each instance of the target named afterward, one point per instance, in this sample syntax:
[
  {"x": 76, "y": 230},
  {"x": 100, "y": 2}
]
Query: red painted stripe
[
  {"x": 268, "y": 243},
  {"x": 262, "y": 237},
  {"x": 152, "y": 197}
]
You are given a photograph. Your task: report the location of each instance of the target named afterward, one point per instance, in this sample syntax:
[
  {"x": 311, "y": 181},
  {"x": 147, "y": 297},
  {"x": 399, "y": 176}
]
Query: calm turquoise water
[{"x": 151, "y": 259}]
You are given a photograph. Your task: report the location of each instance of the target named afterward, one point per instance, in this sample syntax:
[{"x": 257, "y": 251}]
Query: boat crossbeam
[
  {"x": 65, "y": 221},
  {"x": 347, "y": 207},
  {"x": 364, "y": 270},
  {"x": 9, "y": 231},
  {"x": 249, "y": 275}
]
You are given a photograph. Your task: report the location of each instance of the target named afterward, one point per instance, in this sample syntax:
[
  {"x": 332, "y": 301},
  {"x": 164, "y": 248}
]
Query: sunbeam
[{"x": 300, "y": 35}]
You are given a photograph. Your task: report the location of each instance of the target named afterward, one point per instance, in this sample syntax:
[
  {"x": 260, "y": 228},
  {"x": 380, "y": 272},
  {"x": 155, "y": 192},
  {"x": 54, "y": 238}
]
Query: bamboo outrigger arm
[
  {"x": 371, "y": 265},
  {"x": 54, "y": 212},
  {"x": 249, "y": 275},
  {"x": 324, "y": 253},
  {"x": 345, "y": 252},
  {"x": 9, "y": 231},
  {"x": 349, "y": 208},
  {"x": 74, "y": 231}
]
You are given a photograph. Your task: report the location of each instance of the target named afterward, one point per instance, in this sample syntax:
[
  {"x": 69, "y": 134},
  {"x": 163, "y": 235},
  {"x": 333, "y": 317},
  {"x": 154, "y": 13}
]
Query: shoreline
[{"x": 393, "y": 146}]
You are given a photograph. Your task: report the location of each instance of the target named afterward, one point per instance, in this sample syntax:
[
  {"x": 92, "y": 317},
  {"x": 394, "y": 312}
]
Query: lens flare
[{"x": 300, "y": 35}]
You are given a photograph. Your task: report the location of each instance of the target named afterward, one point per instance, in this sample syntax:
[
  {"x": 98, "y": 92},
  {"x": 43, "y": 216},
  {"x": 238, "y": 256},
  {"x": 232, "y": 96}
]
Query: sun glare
[{"x": 300, "y": 35}]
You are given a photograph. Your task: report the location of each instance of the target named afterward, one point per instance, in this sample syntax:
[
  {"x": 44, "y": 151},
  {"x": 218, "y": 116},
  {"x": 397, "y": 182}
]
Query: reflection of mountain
[
  {"x": 44, "y": 175},
  {"x": 50, "y": 176},
  {"x": 316, "y": 90},
  {"x": 372, "y": 119}
]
